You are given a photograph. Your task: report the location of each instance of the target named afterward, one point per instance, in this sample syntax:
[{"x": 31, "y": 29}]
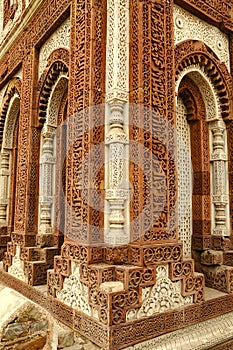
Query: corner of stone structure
[{"x": 118, "y": 287}]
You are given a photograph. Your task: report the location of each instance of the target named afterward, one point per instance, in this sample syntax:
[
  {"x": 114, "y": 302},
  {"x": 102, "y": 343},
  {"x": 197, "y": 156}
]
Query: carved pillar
[
  {"x": 25, "y": 227},
  {"x": 47, "y": 164},
  {"x": 117, "y": 87},
  {"x": 84, "y": 222},
  {"x": 219, "y": 176},
  {"x": 116, "y": 194},
  {"x": 4, "y": 189},
  {"x": 152, "y": 85}
]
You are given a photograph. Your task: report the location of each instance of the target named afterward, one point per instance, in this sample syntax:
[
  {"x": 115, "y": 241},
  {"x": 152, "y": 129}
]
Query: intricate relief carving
[
  {"x": 187, "y": 26},
  {"x": 117, "y": 86},
  {"x": 9, "y": 121},
  {"x": 164, "y": 295},
  {"x": 17, "y": 267},
  {"x": 184, "y": 177},
  {"x": 218, "y": 145},
  {"x": 59, "y": 39},
  {"x": 210, "y": 96},
  {"x": 201, "y": 336},
  {"x": 118, "y": 51},
  {"x": 191, "y": 54},
  {"x": 220, "y": 179},
  {"x": 11, "y": 12},
  {"x": 2, "y": 92},
  {"x": 74, "y": 293},
  {"x": 4, "y": 186},
  {"x": 11, "y": 118},
  {"x": 49, "y": 115},
  {"x": 116, "y": 195}
]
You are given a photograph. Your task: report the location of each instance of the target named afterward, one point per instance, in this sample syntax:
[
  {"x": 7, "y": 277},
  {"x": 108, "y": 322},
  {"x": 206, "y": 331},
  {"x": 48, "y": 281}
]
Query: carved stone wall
[
  {"x": 187, "y": 26},
  {"x": 10, "y": 15},
  {"x": 209, "y": 238},
  {"x": 59, "y": 39},
  {"x": 119, "y": 286},
  {"x": 85, "y": 222},
  {"x": 9, "y": 115},
  {"x": 17, "y": 267},
  {"x": 213, "y": 11},
  {"x": 50, "y": 167},
  {"x": 185, "y": 186},
  {"x": 116, "y": 125},
  {"x": 205, "y": 335}
]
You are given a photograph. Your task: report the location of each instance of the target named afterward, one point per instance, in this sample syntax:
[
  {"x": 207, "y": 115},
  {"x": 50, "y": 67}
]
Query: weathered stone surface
[
  {"x": 80, "y": 341},
  {"x": 65, "y": 340},
  {"x": 90, "y": 346},
  {"x": 74, "y": 347},
  {"x": 14, "y": 330},
  {"x": 30, "y": 314},
  {"x": 38, "y": 326},
  {"x": 11, "y": 301},
  {"x": 212, "y": 257},
  {"x": 33, "y": 344}
]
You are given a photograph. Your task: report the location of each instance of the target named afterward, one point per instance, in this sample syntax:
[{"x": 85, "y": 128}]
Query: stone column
[
  {"x": 4, "y": 186},
  {"x": 219, "y": 179},
  {"x": 116, "y": 140},
  {"x": 116, "y": 194},
  {"x": 47, "y": 163}
]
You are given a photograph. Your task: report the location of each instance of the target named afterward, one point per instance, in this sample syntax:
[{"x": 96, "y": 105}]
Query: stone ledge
[
  {"x": 122, "y": 336},
  {"x": 201, "y": 336}
]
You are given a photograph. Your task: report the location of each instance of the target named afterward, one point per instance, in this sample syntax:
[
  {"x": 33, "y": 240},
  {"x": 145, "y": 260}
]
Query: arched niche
[
  {"x": 203, "y": 191},
  {"x": 8, "y": 157},
  {"x": 49, "y": 194}
]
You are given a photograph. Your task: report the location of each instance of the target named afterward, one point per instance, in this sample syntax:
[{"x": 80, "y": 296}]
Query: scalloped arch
[
  {"x": 58, "y": 64},
  {"x": 13, "y": 88},
  {"x": 191, "y": 53}
]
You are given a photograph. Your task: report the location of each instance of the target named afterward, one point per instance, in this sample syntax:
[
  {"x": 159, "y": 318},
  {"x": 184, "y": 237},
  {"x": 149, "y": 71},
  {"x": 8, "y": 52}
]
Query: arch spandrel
[{"x": 190, "y": 54}]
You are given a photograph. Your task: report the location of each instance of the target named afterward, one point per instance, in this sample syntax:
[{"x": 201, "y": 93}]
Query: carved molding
[
  {"x": 56, "y": 71},
  {"x": 58, "y": 40},
  {"x": 17, "y": 267},
  {"x": 214, "y": 110},
  {"x": 189, "y": 27},
  {"x": 190, "y": 54},
  {"x": 116, "y": 141},
  {"x": 52, "y": 94},
  {"x": 13, "y": 88},
  {"x": 203, "y": 336}
]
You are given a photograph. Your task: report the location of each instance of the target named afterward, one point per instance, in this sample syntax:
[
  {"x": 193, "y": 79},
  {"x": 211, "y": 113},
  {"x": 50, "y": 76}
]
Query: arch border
[
  {"x": 194, "y": 52},
  {"x": 14, "y": 87},
  {"x": 58, "y": 63}
]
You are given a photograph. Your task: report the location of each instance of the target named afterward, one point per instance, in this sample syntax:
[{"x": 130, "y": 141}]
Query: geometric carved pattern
[
  {"x": 56, "y": 69},
  {"x": 193, "y": 56},
  {"x": 152, "y": 84},
  {"x": 14, "y": 87},
  {"x": 184, "y": 177},
  {"x": 215, "y": 11},
  {"x": 187, "y": 26},
  {"x": 59, "y": 39},
  {"x": 194, "y": 53},
  {"x": 164, "y": 295},
  {"x": 137, "y": 331}
]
